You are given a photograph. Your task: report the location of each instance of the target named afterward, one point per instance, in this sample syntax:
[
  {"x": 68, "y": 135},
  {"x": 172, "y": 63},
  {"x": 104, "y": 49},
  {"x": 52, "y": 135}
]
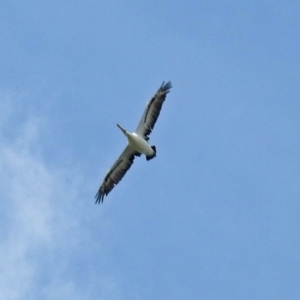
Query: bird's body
[{"x": 137, "y": 143}]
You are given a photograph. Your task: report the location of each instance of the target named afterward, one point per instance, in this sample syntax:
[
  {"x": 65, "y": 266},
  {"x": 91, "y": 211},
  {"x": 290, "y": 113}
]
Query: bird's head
[{"x": 122, "y": 129}]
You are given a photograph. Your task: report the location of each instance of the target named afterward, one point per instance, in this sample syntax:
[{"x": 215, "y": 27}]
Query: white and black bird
[{"x": 137, "y": 143}]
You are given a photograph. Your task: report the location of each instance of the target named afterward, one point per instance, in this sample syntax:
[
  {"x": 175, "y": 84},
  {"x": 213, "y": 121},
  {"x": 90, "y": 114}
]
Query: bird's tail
[{"x": 148, "y": 157}]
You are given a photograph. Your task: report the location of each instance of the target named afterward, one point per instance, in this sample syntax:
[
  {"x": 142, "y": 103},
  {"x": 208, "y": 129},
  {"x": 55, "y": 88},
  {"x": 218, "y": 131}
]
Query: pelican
[{"x": 137, "y": 143}]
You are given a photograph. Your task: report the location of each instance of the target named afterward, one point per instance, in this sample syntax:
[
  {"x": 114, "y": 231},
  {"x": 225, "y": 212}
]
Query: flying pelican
[{"x": 137, "y": 143}]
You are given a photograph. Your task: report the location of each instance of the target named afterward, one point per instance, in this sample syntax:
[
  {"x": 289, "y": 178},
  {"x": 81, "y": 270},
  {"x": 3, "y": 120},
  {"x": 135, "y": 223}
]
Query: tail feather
[{"x": 148, "y": 157}]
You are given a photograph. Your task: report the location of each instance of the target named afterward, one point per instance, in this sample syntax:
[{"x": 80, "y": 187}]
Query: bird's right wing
[{"x": 116, "y": 173}]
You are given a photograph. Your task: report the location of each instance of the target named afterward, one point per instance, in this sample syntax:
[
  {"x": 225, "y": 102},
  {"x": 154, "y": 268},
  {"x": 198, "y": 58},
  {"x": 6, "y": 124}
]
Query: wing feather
[
  {"x": 152, "y": 110},
  {"x": 116, "y": 173}
]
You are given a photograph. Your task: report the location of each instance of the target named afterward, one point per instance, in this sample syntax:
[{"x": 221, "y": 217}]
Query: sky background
[{"x": 215, "y": 215}]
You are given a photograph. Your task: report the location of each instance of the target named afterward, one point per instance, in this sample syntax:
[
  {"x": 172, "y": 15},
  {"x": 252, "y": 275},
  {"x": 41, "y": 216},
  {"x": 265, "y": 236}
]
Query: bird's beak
[{"x": 123, "y": 130}]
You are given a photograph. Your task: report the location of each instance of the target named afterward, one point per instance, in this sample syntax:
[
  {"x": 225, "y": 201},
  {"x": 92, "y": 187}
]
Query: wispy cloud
[{"x": 40, "y": 229}]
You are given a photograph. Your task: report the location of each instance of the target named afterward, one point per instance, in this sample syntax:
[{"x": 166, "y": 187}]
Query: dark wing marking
[
  {"x": 116, "y": 173},
  {"x": 152, "y": 110}
]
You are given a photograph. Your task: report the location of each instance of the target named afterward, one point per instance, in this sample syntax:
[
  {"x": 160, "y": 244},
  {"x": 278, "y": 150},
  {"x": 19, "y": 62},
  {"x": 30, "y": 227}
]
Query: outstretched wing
[
  {"x": 152, "y": 110},
  {"x": 116, "y": 173}
]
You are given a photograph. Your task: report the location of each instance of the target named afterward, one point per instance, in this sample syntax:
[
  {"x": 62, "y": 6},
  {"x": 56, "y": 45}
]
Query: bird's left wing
[
  {"x": 152, "y": 110},
  {"x": 116, "y": 173}
]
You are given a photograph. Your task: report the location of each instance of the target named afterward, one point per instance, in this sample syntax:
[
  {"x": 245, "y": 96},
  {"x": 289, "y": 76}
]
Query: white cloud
[
  {"x": 40, "y": 228},
  {"x": 29, "y": 200}
]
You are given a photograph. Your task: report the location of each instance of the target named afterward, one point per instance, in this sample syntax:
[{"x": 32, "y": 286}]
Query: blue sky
[{"x": 215, "y": 215}]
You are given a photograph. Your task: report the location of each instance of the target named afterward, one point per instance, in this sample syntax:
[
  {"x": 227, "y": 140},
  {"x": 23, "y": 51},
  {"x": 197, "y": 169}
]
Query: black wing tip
[
  {"x": 99, "y": 198},
  {"x": 165, "y": 87}
]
